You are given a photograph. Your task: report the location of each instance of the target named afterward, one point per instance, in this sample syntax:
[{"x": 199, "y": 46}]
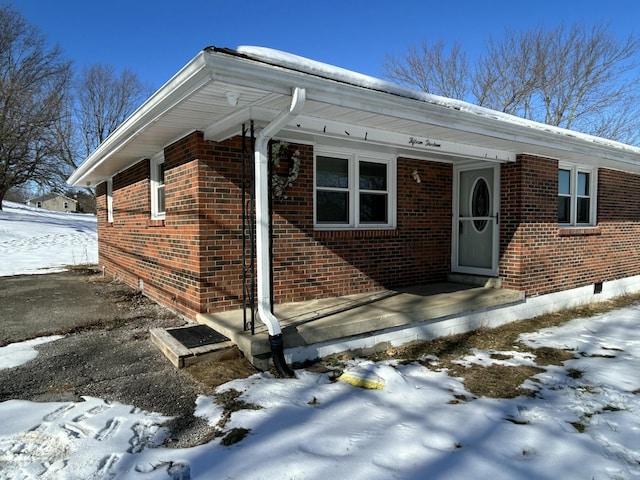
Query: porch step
[
  {"x": 475, "y": 280},
  {"x": 184, "y": 346}
]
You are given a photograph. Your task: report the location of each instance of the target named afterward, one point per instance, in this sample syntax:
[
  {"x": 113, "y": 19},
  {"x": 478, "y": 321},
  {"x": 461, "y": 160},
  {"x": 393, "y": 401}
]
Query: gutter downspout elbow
[{"x": 263, "y": 244}]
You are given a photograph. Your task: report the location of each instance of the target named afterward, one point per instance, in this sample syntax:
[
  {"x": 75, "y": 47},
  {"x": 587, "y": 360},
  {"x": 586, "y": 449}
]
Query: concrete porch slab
[{"x": 337, "y": 319}]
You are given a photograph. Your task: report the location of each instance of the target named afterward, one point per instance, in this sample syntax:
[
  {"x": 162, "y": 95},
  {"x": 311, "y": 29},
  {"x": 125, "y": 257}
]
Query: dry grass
[{"x": 497, "y": 380}]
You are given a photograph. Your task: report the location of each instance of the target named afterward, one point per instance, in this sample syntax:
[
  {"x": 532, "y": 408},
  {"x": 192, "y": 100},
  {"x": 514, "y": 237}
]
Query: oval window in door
[{"x": 480, "y": 203}]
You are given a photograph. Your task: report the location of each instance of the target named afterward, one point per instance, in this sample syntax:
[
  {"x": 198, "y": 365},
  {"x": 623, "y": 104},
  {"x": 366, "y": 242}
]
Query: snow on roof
[{"x": 295, "y": 62}]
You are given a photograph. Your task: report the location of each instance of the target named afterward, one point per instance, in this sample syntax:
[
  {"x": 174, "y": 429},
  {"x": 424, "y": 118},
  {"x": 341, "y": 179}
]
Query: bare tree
[
  {"x": 33, "y": 84},
  {"x": 577, "y": 77},
  {"x": 505, "y": 77},
  {"x": 595, "y": 77},
  {"x": 432, "y": 69},
  {"x": 104, "y": 100}
]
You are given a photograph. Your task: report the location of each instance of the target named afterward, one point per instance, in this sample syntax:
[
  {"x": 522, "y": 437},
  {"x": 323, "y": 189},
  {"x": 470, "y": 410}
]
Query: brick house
[{"x": 361, "y": 186}]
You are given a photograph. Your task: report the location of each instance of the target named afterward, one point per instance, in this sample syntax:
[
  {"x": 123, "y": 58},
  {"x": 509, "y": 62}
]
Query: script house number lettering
[{"x": 427, "y": 143}]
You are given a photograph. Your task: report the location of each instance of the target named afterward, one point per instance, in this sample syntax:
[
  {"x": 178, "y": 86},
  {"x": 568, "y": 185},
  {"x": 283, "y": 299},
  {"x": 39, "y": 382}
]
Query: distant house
[
  {"x": 320, "y": 183},
  {"x": 54, "y": 202}
]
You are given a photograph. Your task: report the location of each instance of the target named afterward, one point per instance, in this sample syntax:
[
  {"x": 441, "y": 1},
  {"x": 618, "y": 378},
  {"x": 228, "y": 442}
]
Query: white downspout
[{"x": 263, "y": 244}]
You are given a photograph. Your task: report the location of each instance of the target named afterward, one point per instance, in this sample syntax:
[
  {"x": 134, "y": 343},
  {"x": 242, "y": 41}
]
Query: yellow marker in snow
[{"x": 359, "y": 377}]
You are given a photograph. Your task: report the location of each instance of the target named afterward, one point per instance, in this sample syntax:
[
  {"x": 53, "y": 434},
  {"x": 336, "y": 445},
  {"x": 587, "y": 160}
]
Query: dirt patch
[
  {"x": 230, "y": 401},
  {"x": 220, "y": 368}
]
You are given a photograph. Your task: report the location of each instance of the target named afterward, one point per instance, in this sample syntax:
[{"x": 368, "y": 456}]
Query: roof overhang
[{"x": 221, "y": 89}]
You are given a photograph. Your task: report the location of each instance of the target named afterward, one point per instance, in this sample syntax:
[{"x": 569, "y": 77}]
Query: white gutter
[{"x": 262, "y": 181}]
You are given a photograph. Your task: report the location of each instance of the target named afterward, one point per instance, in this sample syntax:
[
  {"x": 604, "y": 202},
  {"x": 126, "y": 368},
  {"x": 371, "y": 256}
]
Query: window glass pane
[
  {"x": 583, "y": 210},
  {"x": 373, "y": 176},
  {"x": 161, "y": 199},
  {"x": 564, "y": 182},
  {"x": 564, "y": 209},
  {"x": 332, "y": 172},
  {"x": 583, "y": 183},
  {"x": 480, "y": 199},
  {"x": 161, "y": 173},
  {"x": 332, "y": 207},
  {"x": 373, "y": 208}
]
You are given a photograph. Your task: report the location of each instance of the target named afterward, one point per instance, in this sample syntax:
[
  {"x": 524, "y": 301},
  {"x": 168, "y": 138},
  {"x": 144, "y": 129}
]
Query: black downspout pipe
[{"x": 277, "y": 355}]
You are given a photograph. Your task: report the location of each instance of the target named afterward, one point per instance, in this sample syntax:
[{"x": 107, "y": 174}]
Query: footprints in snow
[
  {"x": 176, "y": 470},
  {"x": 44, "y": 241},
  {"x": 105, "y": 468},
  {"x": 91, "y": 412},
  {"x": 110, "y": 429},
  {"x": 51, "y": 446},
  {"x": 58, "y": 413},
  {"x": 80, "y": 426}
]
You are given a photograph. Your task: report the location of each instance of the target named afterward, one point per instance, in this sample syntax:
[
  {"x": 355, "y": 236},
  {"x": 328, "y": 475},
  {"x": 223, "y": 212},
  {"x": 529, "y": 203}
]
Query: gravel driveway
[{"x": 106, "y": 351}]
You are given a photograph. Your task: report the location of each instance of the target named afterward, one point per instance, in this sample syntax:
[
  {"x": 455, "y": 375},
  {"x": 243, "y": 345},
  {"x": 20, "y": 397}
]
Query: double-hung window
[
  {"x": 576, "y": 195},
  {"x": 157, "y": 187},
  {"x": 354, "y": 191}
]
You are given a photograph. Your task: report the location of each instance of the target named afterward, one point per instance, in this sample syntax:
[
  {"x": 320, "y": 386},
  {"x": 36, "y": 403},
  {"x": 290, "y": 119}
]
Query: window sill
[
  {"x": 578, "y": 231},
  {"x": 155, "y": 223},
  {"x": 355, "y": 233}
]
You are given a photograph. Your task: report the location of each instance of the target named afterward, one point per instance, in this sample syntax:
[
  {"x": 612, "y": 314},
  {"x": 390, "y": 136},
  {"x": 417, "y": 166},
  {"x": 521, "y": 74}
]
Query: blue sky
[{"x": 155, "y": 38}]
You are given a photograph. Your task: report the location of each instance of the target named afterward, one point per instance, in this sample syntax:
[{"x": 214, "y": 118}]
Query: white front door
[{"x": 476, "y": 200}]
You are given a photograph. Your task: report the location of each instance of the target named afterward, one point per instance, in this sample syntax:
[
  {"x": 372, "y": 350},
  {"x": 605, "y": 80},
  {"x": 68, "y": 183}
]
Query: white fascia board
[
  {"x": 527, "y": 133},
  {"x": 406, "y": 142},
  {"x": 188, "y": 80},
  {"x": 324, "y": 128}
]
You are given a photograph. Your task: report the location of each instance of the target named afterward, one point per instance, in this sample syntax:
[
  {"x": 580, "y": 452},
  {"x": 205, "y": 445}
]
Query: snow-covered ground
[
  {"x": 33, "y": 240},
  {"x": 578, "y": 426}
]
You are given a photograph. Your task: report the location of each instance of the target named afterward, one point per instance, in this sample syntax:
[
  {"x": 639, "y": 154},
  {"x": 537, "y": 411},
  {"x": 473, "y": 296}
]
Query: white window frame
[
  {"x": 574, "y": 170},
  {"x": 354, "y": 159},
  {"x": 157, "y": 186},
  {"x": 110, "y": 200}
]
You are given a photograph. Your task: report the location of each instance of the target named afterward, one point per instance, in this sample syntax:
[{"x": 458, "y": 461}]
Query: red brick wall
[
  {"x": 191, "y": 258},
  {"x": 131, "y": 207},
  {"x": 619, "y": 221},
  {"x": 315, "y": 264},
  {"x": 539, "y": 257},
  {"x": 192, "y": 261}
]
